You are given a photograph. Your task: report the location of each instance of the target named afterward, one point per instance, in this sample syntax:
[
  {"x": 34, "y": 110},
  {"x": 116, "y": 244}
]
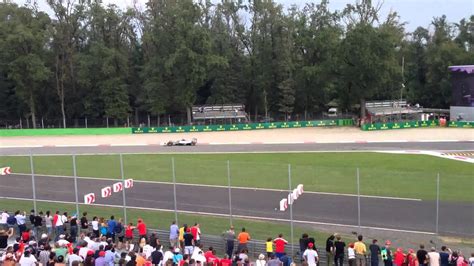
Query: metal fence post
[
  {"x": 86, "y": 121},
  {"x": 437, "y": 203},
  {"x": 358, "y": 198},
  {"x": 123, "y": 190},
  {"x": 174, "y": 192},
  {"x": 33, "y": 185},
  {"x": 75, "y": 183},
  {"x": 291, "y": 209},
  {"x": 230, "y": 192}
]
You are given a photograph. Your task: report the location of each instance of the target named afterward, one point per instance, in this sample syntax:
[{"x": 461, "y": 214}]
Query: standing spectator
[
  {"x": 111, "y": 224},
  {"x": 360, "y": 251},
  {"x": 3, "y": 220},
  {"x": 157, "y": 256},
  {"x": 4, "y": 236},
  {"x": 444, "y": 256},
  {"x": 386, "y": 254},
  {"x": 129, "y": 232},
  {"x": 434, "y": 257},
  {"x": 182, "y": 230},
  {"x": 196, "y": 231},
  {"x": 330, "y": 250},
  {"x": 374, "y": 253},
  {"x": 280, "y": 243},
  {"x": 174, "y": 234},
  {"x": 32, "y": 219},
  {"x": 95, "y": 226},
  {"x": 399, "y": 257},
  {"x": 351, "y": 254},
  {"x": 422, "y": 256},
  {"x": 311, "y": 256},
  {"x": 453, "y": 258},
  {"x": 339, "y": 246},
  {"x": 303, "y": 243},
  {"x": 20, "y": 221},
  {"x": 44, "y": 254},
  {"x": 411, "y": 258},
  {"x": 141, "y": 227},
  {"x": 269, "y": 247},
  {"x": 285, "y": 259},
  {"x": 60, "y": 224},
  {"x": 188, "y": 241},
  {"x": 100, "y": 261},
  {"x": 84, "y": 223},
  {"x": 73, "y": 228},
  {"x": 119, "y": 230},
  {"x": 243, "y": 238},
  {"x": 27, "y": 259},
  {"x": 229, "y": 238},
  {"x": 38, "y": 224},
  {"x": 48, "y": 222}
]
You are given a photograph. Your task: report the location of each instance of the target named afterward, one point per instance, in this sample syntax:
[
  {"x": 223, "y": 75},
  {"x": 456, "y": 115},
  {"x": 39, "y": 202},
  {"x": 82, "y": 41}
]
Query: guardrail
[
  {"x": 414, "y": 124},
  {"x": 461, "y": 124},
  {"x": 248, "y": 126}
]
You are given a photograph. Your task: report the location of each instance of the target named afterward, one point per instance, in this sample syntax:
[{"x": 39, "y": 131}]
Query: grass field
[
  {"x": 412, "y": 176},
  {"x": 259, "y": 230},
  {"x": 64, "y": 131}
]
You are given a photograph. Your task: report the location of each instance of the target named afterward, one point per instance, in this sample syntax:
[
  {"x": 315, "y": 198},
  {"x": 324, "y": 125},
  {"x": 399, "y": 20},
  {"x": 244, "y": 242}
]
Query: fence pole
[
  {"x": 358, "y": 198},
  {"x": 148, "y": 120},
  {"x": 75, "y": 183},
  {"x": 230, "y": 192},
  {"x": 33, "y": 185},
  {"x": 123, "y": 189},
  {"x": 107, "y": 121},
  {"x": 42, "y": 123},
  {"x": 437, "y": 203},
  {"x": 174, "y": 192},
  {"x": 21, "y": 124},
  {"x": 291, "y": 209},
  {"x": 86, "y": 122}
]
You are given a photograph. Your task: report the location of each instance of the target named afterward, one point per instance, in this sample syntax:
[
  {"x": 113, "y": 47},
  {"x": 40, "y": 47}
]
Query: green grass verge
[
  {"x": 412, "y": 176},
  {"x": 64, "y": 131},
  {"x": 258, "y": 230}
]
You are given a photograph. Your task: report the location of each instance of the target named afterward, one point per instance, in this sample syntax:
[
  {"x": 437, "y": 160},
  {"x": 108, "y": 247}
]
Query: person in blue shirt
[
  {"x": 444, "y": 256},
  {"x": 111, "y": 228}
]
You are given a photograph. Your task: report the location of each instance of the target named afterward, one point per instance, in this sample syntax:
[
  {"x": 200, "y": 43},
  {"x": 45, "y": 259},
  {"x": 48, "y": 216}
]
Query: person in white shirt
[
  {"x": 74, "y": 256},
  {"x": 95, "y": 226},
  {"x": 310, "y": 255},
  {"x": 83, "y": 250},
  {"x": 20, "y": 221},
  {"x": 168, "y": 255},
  {"x": 261, "y": 260},
  {"x": 27, "y": 259},
  {"x": 3, "y": 220},
  {"x": 471, "y": 260},
  {"x": 434, "y": 257},
  {"x": 48, "y": 222},
  {"x": 196, "y": 251}
]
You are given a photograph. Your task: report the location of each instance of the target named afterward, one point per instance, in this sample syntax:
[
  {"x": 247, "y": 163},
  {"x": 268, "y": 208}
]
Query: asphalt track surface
[
  {"x": 455, "y": 218},
  {"x": 375, "y": 212},
  {"x": 382, "y": 146}
]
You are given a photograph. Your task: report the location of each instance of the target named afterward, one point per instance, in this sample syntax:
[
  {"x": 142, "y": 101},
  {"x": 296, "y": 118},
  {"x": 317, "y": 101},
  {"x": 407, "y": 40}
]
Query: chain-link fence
[{"x": 238, "y": 187}]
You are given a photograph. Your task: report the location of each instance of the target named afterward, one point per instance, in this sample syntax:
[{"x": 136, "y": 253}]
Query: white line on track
[
  {"x": 225, "y": 187},
  {"x": 236, "y": 216}
]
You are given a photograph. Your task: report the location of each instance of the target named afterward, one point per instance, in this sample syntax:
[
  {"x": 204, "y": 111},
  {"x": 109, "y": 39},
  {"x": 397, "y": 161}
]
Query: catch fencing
[{"x": 240, "y": 187}]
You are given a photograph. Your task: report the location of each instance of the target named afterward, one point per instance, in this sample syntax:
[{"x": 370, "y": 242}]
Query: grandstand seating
[{"x": 217, "y": 112}]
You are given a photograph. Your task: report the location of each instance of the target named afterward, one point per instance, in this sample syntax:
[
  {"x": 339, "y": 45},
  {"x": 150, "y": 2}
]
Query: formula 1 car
[{"x": 182, "y": 142}]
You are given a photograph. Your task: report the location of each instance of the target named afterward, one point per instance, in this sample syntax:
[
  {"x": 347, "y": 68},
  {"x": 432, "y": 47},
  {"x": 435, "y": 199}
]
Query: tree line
[{"x": 91, "y": 60}]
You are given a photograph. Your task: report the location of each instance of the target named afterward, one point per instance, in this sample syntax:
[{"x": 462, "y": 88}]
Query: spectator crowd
[{"x": 60, "y": 239}]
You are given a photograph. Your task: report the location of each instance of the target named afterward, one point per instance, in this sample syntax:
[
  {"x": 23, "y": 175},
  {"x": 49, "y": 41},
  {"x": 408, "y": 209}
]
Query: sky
[{"x": 414, "y": 12}]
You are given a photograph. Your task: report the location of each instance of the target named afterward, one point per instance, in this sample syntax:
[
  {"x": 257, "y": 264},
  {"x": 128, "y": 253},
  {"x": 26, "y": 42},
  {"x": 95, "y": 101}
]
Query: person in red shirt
[
  {"x": 211, "y": 257},
  {"x": 399, "y": 257},
  {"x": 25, "y": 236},
  {"x": 129, "y": 232},
  {"x": 196, "y": 232},
  {"x": 280, "y": 243},
  {"x": 141, "y": 226},
  {"x": 226, "y": 261}
]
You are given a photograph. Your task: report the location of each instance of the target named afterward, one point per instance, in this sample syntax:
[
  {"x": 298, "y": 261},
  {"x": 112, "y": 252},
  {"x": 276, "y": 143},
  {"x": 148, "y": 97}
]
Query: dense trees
[{"x": 96, "y": 61}]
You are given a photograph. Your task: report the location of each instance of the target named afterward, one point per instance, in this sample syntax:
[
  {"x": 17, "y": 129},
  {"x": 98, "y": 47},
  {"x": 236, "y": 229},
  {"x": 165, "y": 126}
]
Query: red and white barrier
[
  {"x": 117, "y": 187},
  {"x": 5, "y": 170},
  {"x": 89, "y": 198},
  {"x": 106, "y": 192},
  {"x": 294, "y": 195},
  {"x": 128, "y": 183}
]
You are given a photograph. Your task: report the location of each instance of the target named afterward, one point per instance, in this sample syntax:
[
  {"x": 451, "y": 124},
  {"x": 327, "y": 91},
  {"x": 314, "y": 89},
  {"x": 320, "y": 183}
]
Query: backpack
[
  {"x": 11, "y": 220},
  {"x": 118, "y": 228}
]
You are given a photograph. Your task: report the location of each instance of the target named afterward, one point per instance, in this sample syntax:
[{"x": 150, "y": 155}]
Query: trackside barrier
[
  {"x": 249, "y": 126},
  {"x": 401, "y": 125},
  {"x": 461, "y": 124}
]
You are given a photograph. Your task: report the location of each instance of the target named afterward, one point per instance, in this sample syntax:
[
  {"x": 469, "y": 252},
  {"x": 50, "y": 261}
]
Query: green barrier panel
[
  {"x": 249, "y": 126},
  {"x": 461, "y": 124},
  {"x": 410, "y": 124}
]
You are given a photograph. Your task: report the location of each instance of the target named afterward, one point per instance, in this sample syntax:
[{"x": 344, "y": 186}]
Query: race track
[
  {"x": 305, "y": 147},
  {"x": 456, "y": 218}
]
